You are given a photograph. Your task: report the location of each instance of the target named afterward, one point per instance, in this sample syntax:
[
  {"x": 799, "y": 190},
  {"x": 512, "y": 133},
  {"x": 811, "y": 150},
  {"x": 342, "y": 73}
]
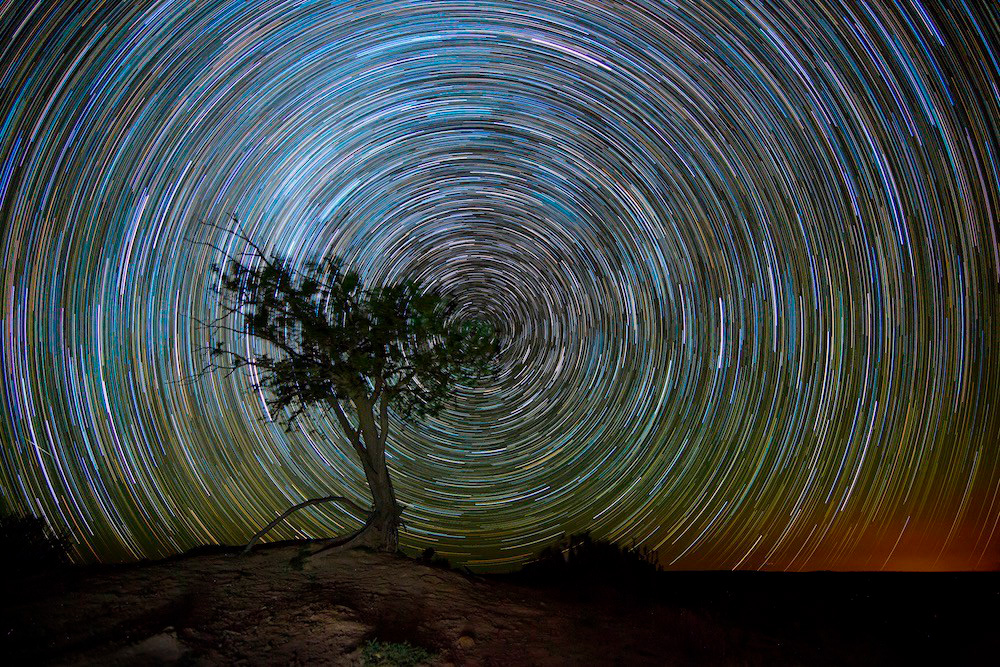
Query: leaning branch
[
  {"x": 351, "y": 432},
  {"x": 306, "y": 503},
  {"x": 383, "y": 423}
]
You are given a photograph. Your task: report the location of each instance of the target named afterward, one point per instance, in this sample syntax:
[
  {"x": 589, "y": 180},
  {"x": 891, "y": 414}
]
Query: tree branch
[
  {"x": 351, "y": 432},
  {"x": 306, "y": 503},
  {"x": 241, "y": 236},
  {"x": 347, "y": 539},
  {"x": 383, "y": 422}
]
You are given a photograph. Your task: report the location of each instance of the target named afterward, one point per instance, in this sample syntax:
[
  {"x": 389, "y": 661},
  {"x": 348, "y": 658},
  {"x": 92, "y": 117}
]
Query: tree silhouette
[
  {"x": 326, "y": 341},
  {"x": 28, "y": 544}
]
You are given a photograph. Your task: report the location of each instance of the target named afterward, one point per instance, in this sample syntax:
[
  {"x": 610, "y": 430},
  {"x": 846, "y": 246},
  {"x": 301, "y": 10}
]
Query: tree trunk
[
  {"x": 385, "y": 521},
  {"x": 383, "y": 531}
]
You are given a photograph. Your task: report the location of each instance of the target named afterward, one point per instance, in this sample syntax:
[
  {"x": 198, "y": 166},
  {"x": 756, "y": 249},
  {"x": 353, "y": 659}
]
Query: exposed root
[{"x": 360, "y": 537}]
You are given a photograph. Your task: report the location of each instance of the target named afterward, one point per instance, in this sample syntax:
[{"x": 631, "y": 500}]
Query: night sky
[{"x": 745, "y": 255}]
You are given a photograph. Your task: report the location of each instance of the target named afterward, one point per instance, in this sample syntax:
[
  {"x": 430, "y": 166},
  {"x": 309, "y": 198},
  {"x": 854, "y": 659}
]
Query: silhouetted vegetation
[
  {"x": 430, "y": 557},
  {"x": 27, "y": 545},
  {"x": 583, "y": 560},
  {"x": 322, "y": 340}
]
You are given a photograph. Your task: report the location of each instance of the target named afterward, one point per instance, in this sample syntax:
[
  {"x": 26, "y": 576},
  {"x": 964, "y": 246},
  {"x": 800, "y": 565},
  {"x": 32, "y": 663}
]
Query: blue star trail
[{"x": 744, "y": 254}]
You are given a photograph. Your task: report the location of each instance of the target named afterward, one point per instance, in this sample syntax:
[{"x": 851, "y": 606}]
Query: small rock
[
  {"x": 161, "y": 649},
  {"x": 466, "y": 642}
]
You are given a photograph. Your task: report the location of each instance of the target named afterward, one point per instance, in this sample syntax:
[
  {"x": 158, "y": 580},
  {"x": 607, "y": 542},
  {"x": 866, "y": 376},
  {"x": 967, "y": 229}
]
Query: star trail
[{"x": 744, "y": 255}]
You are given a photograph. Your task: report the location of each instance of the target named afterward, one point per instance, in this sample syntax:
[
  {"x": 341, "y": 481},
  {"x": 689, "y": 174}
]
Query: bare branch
[
  {"x": 306, "y": 503},
  {"x": 241, "y": 235},
  {"x": 345, "y": 424},
  {"x": 351, "y": 432}
]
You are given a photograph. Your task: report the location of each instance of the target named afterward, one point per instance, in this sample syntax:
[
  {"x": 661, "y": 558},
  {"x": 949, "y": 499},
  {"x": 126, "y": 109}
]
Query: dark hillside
[{"x": 271, "y": 608}]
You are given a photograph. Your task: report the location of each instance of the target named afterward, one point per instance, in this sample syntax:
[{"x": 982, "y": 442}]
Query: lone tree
[{"x": 326, "y": 341}]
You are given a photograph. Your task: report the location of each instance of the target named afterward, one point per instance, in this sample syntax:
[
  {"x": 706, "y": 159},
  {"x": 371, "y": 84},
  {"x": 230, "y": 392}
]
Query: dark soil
[{"x": 271, "y": 608}]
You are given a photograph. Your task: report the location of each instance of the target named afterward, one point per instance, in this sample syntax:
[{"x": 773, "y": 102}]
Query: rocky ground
[{"x": 270, "y": 608}]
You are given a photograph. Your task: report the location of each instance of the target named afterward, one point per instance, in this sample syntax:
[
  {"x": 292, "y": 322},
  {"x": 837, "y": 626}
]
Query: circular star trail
[{"x": 744, "y": 256}]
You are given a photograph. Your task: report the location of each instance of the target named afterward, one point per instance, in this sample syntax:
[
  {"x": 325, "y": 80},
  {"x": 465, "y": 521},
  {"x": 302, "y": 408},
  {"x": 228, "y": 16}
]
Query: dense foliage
[{"x": 328, "y": 337}]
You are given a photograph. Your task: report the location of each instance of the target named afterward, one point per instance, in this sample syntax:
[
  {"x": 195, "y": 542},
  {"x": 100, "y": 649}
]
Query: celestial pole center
[{"x": 744, "y": 258}]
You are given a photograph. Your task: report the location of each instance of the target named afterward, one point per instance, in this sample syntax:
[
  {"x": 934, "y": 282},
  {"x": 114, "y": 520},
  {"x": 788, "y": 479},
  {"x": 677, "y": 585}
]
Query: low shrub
[
  {"x": 27, "y": 544},
  {"x": 584, "y": 559}
]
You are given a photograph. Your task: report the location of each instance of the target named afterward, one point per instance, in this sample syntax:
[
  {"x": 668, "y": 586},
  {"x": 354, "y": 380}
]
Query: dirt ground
[{"x": 270, "y": 609}]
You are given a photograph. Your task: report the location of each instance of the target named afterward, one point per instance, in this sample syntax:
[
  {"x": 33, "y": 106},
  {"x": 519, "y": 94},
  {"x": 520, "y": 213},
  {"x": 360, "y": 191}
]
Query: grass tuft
[{"x": 393, "y": 654}]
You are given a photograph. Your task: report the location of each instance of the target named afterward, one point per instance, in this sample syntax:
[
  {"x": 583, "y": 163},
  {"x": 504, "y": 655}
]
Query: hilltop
[{"x": 271, "y": 608}]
